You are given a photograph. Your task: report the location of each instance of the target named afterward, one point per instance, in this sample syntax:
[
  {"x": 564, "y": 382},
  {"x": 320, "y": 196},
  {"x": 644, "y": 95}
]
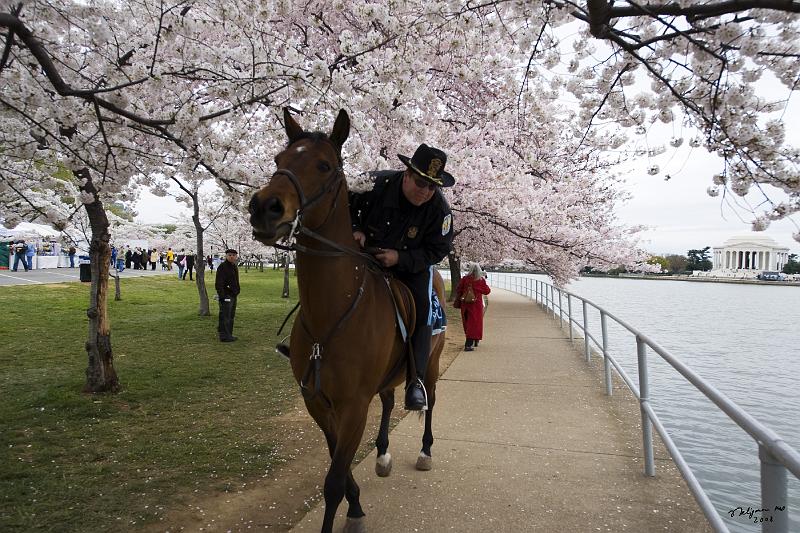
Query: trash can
[{"x": 85, "y": 271}]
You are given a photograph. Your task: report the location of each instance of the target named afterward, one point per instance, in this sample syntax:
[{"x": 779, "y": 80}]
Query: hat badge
[{"x": 434, "y": 167}]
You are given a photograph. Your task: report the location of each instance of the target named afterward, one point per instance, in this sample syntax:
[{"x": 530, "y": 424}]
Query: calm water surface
[{"x": 743, "y": 339}]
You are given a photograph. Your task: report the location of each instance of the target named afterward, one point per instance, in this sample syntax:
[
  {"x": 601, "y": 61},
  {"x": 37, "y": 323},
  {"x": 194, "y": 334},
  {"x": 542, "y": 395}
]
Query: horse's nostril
[
  {"x": 273, "y": 208},
  {"x": 252, "y": 207}
]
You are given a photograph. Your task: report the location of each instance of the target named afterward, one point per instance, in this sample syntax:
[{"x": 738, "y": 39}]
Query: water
[{"x": 743, "y": 339}]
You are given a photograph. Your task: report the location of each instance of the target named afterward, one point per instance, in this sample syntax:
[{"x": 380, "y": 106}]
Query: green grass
[{"x": 194, "y": 415}]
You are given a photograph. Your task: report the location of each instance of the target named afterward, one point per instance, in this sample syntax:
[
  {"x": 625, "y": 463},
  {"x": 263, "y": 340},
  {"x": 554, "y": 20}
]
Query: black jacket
[
  {"x": 422, "y": 235},
  {"x": 227, "y": 282}
]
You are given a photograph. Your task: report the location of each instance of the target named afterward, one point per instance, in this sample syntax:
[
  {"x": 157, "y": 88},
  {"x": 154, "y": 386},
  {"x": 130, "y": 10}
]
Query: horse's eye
[{"x": 323, "y": 166}]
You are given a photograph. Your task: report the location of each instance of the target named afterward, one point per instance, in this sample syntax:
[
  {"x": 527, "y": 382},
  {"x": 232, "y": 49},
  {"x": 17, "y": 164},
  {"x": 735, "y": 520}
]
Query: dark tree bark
[
  {"x": 285, "y": 276},
  {"x": 200, "y": 259},
  {"x": 100, "y": 373},
  {"x": 455, "y": 274}
]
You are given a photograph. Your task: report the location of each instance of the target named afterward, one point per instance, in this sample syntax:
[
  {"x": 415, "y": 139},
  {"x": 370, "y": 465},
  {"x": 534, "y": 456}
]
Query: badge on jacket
[
  {"x": 412, "y": 232},
  {"x": 448, "y": 220}
]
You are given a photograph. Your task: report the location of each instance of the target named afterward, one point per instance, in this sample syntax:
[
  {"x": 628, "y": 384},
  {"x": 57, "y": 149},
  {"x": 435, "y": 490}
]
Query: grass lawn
[{"x": 194, "y": 415}]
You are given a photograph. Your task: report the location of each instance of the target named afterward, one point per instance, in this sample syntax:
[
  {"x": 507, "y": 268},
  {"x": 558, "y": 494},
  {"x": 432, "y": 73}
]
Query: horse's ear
[
  {"x": 293, "y": 129},
  {"x": 341, "y": 129}
]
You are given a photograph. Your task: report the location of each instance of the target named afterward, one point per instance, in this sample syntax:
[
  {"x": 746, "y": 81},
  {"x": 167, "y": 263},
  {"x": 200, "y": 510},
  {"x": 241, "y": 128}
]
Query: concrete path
[
  {"x": 62, "y": 275},
  {"x": 526, "y": 440}
]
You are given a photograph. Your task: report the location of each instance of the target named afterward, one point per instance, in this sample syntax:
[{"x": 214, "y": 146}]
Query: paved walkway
[
  {"x": 526, "y": 440},
  {"x": 62, "y": 275}
]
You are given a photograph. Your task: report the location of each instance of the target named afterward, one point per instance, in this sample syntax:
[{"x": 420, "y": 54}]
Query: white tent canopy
[{"x": 30, "y": 230}]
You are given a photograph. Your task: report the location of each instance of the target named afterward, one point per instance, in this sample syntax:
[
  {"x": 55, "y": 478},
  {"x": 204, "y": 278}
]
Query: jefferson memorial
[{"x": 750, "y": 253}]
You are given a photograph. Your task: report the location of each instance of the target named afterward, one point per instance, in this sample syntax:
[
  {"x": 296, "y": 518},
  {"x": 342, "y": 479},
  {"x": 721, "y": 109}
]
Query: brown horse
[{"x": 346, "y": 345}]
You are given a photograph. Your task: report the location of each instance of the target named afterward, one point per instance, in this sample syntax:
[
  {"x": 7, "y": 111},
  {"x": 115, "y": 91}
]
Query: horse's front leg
[
  {"x": 339, "y": 480},
  {"x": 424, "y": 461},
  {"x": 383, "y": 464}
]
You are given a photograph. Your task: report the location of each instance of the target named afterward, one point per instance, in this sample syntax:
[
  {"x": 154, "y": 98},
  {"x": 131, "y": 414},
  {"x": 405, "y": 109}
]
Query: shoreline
[{"x": 699, "y": 279}]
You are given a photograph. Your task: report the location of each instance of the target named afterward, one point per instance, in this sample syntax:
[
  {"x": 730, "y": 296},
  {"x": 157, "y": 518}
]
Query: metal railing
[{"x": 775, "y": 455}]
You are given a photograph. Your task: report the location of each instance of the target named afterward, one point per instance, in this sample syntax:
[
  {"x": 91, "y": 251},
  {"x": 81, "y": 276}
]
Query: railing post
[
  {"x": 606, "y": 360},
  {"x": 546, "y": 296},
  {"x": 644, "y": 399},
  {"x": 773, "y": 493},
  {"x": 553, "y": 300},
  {"x": 560, "y": 312},
  {"x": 586, "y": 331},
  {"x": 569, "y": 317}
]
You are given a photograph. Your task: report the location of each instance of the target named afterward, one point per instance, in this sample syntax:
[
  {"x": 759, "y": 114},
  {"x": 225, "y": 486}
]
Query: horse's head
[{"x": 309, "y": 171}]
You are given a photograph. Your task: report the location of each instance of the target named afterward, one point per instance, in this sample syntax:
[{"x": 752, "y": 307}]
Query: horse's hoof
[
  {"x": 424, "y": 462},
  {"x": 354, "y": 525},
  {"x": 383, "y": 465}
]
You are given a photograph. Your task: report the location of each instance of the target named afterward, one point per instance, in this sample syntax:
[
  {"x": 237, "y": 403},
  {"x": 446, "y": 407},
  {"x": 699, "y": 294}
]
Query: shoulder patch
[{"x": 446, "y": 223}]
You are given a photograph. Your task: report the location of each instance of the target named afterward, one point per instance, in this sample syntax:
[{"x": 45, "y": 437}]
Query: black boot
[
  {"x": 468, "y": 345},
  {"x": 416, "y": 396}
]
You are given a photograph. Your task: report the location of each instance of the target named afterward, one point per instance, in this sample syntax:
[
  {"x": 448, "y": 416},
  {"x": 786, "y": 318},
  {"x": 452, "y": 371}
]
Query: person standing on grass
[
  {"x": 170, "y": 258},
  {"x": 181, "y": 260},
  {"x": 189, "y": 266},
  {"x": 227, "y": 286}
]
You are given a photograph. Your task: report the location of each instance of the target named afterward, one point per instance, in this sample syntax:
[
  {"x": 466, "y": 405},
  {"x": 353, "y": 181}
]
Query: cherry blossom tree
[{"x": 115, "y": 93}]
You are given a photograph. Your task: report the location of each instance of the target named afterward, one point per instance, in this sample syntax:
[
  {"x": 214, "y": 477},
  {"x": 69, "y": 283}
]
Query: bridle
[{"x": 334, "y": 181}]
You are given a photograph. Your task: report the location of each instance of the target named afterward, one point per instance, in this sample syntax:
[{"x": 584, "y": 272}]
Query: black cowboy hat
[{"x": 429, "y": 163}]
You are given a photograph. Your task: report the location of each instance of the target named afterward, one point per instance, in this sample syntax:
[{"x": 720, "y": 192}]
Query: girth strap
[{"x": 315, "y": 360}]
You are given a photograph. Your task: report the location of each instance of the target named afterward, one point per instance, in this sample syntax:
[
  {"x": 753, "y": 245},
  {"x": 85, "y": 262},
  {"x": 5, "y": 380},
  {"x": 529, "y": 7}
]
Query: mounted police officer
[{"x": 406, "y": 221}]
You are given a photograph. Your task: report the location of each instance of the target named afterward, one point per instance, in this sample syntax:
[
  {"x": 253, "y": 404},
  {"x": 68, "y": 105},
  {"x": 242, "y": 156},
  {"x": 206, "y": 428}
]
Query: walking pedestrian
[
  {"x": 71, "y": 253},
  {"x": 469, "y": 297},
  {"x": 29, "y": 253},
  {"x": 19, "y": 250},
  {"x": 153, "y": 259}
]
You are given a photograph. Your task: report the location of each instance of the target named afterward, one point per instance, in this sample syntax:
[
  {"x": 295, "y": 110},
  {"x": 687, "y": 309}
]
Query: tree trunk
[
  {"x": 455, "y": 274},
  {"x": 100, "y": 373},
  {"x": 117, "y": 288},
  {"x": 285, "y": 276},
  {"x": 200, "y": 261}
]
